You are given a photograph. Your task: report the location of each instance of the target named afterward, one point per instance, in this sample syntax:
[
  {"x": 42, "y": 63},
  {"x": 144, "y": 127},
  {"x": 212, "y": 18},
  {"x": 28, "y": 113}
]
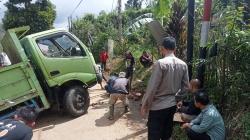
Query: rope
[{"x": 76, "y": 8}]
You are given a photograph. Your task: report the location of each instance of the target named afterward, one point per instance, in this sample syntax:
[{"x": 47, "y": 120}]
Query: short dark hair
[
  {"x": 201, "y": 97},
  {"x": 169, "y": 43},
  {"x": 27, "y": 114}
]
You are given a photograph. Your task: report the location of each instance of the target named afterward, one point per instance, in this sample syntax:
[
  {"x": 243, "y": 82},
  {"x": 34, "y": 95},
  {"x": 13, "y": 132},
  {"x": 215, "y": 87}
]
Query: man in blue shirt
[
  {"x": 111, "y": 82},
  {"x": 209, "y": 124},
  {"x": 19, "y": 128},
  {"x": 119, "y": 91}
]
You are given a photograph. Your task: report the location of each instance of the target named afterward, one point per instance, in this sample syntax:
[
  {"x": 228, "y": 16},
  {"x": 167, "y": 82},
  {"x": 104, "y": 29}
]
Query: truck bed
[
  {"x": 18, "y": 82},
  {"x": 17, "y": 85}
]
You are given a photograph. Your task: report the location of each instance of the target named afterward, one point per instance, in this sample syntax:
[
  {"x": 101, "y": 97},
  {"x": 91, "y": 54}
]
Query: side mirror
[
  {"x": 79, "y": 52},
  {"x": 76, "y": 51}
]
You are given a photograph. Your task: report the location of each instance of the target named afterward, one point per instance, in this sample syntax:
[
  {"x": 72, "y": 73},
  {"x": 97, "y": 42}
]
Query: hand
[
  {"x": 143, "y": 112},
  {"x": 179, "y": 104},
  {"x": 186, "y": 125}
]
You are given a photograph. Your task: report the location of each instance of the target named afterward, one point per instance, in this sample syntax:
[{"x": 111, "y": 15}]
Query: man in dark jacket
[
  {"x": 130, "y": 63},
  {"x": 187, "y": 108},
  {"x": 146, "y": 59},
  {"x": 19, "y": 128}
]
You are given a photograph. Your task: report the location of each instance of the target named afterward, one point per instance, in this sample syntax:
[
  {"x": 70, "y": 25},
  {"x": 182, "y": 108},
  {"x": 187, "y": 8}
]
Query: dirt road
[{"x": 94, "y": 125}]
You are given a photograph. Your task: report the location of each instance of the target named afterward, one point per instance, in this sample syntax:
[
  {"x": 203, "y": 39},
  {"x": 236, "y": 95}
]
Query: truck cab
[
  {"x": 63, "y": 66},
  {"x": 60, "y": 57}
]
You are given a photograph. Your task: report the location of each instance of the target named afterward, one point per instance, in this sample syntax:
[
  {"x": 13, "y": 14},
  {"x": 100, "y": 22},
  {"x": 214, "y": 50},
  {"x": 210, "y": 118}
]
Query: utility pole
[
  {"x": 120, "y": 21},
  {"x": 204, "y": 37},
  {"x": 246, "y": 16},
  {"x": 190, "y": 37},
  {"x": 69, "y": 24}
]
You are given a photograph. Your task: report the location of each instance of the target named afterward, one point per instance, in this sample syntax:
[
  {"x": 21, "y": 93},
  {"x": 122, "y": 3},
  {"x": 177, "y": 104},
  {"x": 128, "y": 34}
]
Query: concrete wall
[{"x": 111, "y": 48}]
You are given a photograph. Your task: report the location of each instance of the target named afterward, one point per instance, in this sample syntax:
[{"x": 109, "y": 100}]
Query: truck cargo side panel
[
  {"x": 14, "y": 83},
  {"x": 18, "y": 82}
]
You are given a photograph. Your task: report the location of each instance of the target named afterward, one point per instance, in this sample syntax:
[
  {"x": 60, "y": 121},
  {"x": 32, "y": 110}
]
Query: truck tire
[{"x": 76, "y": 101}]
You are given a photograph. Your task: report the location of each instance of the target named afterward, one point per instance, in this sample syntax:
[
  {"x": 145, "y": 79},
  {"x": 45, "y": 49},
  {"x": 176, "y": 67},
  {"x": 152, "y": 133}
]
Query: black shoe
[
  {"x": 111, "y": 117},
  {"x": 126, "y": 109}
]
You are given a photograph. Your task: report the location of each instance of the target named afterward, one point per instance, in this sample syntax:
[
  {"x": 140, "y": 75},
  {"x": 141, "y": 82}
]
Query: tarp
[{"x": 157, "y": 31}]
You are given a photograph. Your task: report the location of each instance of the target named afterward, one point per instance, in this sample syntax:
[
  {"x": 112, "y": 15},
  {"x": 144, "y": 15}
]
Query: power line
[
  {"x": 76, "y": 8},
  {"x": 70, "y": 16}
]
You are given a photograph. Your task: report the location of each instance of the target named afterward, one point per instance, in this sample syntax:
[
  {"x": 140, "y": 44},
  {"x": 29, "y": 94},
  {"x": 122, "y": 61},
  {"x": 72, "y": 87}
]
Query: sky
[{"x": 64, "y": 8}]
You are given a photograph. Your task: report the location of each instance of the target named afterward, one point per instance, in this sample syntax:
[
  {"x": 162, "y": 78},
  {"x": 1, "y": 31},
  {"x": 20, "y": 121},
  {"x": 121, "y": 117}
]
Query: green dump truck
[{"x": 50, "y": 68}]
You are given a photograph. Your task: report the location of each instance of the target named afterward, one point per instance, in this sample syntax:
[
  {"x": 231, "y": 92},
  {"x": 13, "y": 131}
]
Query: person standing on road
[
  {"x": 169, "y": 76},
  {"x": 19, "y": 128},
  {"x": 103, "y": 58},
  {"x": 100, "y": 76},
  {"x": 130, "y": 64}
]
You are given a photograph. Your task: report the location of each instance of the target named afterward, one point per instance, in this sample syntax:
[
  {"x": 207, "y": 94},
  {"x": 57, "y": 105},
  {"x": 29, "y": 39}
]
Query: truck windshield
[{"x": 60, "y": 46}]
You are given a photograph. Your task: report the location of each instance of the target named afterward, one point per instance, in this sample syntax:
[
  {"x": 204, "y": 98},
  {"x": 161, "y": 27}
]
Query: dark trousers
[
  {"x": 103, "y": 65},
  {"x": 160, "y": 123},
  {"x": 129, "y": 72},
  {"x": 129, "y": 75},
  {"x": 196, "y": 136}
]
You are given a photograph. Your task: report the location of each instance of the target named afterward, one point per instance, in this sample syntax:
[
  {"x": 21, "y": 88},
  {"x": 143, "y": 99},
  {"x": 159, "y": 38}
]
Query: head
[
  {"x": 201, "y": 100},
  {"x": 195, "y": 85},
  {"x": 128, "y": 54},
  {"x": 26, "y": 114},
  {"x": 168, "y": 45},
  {"x": 122, "y": 75}
]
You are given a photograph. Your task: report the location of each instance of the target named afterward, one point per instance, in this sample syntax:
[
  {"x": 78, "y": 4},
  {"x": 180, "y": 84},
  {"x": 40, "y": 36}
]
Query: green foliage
[
  {"x": 104, "y": 27},
  {"x": 246, "y": 123},
  {"x": 83, "y": 26},
  {"x": 171, "y": 13},
  {"x": 162, "y": 9},
  {"x": 227, "y": 74},
  {"x": 178, "y": 133},
  {"x": 233, "y": 62},
  {"x": 176, "y": 26},
  {"x": 134, "y": 4},
  {"x": 101, "y": 28},
  {"x": 139, "y": 39},
  {"x": 39, "y": 15}
]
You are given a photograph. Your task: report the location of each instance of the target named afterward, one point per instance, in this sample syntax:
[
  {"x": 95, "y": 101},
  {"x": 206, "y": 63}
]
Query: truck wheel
[{"x": 76, "y": 101}]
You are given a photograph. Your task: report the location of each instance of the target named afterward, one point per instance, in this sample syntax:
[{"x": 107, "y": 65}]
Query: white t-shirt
[{"x": 4, "y": 59}]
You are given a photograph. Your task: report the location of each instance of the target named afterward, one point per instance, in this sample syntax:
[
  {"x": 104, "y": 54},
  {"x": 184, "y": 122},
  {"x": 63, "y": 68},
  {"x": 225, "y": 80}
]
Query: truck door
[{"x": 62, "y": 56}]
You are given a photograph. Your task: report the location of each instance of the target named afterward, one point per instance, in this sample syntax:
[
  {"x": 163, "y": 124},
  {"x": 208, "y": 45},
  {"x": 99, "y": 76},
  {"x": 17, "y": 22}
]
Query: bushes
[{"x": 246, "y": 125}]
